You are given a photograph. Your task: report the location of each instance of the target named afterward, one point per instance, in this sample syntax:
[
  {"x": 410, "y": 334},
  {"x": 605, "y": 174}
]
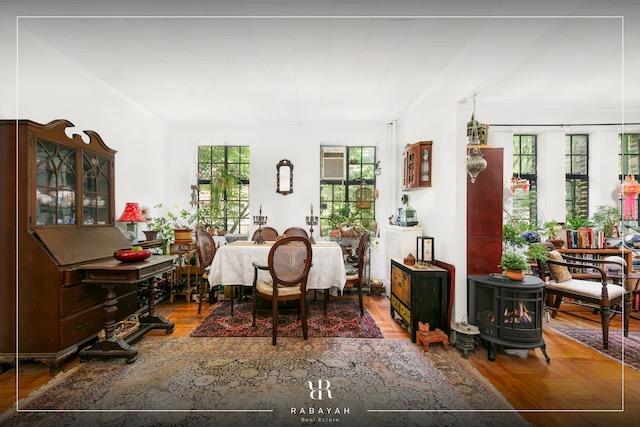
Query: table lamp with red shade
[{"x": 131, "y": 215}]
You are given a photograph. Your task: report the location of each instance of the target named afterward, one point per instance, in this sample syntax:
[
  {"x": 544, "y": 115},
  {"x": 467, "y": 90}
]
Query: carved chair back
[
  {"x": 296, "y": 231},
  {"x": 206, "y": 247},
  {"x": 268, "y": 234},
  {"x": 289, "y": 262}
]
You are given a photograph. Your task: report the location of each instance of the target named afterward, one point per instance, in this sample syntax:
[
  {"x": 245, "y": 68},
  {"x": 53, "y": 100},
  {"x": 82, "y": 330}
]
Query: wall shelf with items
[{"x": 417, "y": 165}]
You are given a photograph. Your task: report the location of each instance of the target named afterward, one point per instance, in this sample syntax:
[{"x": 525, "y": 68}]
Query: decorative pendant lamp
[
  {"x": 630, "y": 191},
  {"x": 476, "y": 162}
]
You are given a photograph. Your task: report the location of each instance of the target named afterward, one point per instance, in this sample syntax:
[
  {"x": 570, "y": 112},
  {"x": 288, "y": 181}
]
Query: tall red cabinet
[{"x": 484, "y": 215}]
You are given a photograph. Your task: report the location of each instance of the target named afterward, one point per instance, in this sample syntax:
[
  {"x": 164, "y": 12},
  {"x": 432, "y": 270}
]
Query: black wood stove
[{"x": 508, "y": 313}]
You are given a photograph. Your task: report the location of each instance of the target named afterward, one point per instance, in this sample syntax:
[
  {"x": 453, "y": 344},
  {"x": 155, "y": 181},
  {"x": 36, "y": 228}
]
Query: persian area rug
[
  {"x": 343, "y": 320},
  {"x": 593, "y": 338},
  {"x": 252, "y": 383}
]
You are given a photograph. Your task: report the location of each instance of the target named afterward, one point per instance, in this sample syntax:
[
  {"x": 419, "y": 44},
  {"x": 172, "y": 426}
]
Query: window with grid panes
[
  {"x": 525, "y": 204},
  {"x": 629, "y": 157},
  {"x": 577, "y": 176},
  {"x": 336, "y": 195},
  {"x": 223, "y": 181}
]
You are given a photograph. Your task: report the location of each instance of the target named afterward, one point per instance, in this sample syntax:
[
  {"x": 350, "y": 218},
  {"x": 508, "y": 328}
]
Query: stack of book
[{"x": 585, "y": 238}]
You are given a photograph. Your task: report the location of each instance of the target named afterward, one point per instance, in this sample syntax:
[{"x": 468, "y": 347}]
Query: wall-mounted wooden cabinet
[{"x": 417, "y": 165}]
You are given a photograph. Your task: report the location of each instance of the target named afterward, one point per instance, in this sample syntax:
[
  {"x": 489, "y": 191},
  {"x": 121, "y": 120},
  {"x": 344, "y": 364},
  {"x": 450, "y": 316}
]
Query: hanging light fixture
[{"x": 476, "y": 162}]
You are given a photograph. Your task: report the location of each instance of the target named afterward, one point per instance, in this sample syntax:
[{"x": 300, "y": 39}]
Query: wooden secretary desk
[{"x": 65, "y": 219}]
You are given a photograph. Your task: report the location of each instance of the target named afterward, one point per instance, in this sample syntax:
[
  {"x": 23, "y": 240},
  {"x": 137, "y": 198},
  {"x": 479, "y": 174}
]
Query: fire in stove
[{"x": 518, "y": 316}]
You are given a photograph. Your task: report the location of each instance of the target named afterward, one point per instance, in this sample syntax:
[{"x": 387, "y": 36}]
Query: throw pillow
[{"x": 559, "y": 273}]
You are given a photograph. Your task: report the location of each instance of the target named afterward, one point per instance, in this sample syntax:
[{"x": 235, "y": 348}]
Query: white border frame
[{"x": 515, "y": 410}]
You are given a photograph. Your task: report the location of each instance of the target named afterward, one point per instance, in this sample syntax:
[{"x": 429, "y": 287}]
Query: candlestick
[
  {"x": 259, "y": 220},
  {"x": 311, "y": 221}
]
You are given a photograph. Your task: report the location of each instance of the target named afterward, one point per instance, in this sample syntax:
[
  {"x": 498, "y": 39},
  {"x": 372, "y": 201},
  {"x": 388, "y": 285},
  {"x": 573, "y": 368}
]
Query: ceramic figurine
[{"x": 424, "y": 337}]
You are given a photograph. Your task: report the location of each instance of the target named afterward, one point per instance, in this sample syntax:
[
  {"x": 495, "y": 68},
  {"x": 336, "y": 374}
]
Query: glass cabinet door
[
  {"x": 425, "y": 164},
  {"x": 411, "y": 168},
  {"x": 55, "y": 184},
  {"x": 96, "y": 181}
]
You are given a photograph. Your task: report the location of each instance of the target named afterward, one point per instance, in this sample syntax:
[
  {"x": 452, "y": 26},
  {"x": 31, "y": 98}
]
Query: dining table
[{"x": 233, "y": 265}]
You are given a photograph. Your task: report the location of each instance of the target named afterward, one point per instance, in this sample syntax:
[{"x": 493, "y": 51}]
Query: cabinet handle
[{"x": 81, "y": 326}]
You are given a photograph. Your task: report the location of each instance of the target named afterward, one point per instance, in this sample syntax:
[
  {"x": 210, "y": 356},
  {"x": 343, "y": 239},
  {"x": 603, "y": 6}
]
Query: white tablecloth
[{"x": 233, "y": 265}]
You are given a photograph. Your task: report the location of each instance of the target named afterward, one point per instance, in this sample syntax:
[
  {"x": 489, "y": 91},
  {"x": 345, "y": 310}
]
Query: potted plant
[
  {"x": 334, "y": 219},
  {"x": 608, "y": 219},
  {"x": 183, "y": 223},
  {"x": 553, "y": 233},
  {"x": 577, "y": 222},
  {"x": 513, "y": 265},
  {"x": 222, "y": 182}
]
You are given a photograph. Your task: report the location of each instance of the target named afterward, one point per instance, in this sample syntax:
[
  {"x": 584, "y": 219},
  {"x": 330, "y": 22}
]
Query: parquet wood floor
[{"x": 577, "y": 378}]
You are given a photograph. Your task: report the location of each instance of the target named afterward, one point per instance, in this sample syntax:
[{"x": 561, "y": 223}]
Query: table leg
[
  {"x": 151, "y": 320},
  {"x": 110, "y": 346}
]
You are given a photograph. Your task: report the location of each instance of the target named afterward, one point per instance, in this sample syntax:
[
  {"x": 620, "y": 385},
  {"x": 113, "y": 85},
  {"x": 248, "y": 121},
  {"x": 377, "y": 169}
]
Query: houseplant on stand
[
  {"x": 513, "y": 265},
  {"x": 183, "y": 223}
]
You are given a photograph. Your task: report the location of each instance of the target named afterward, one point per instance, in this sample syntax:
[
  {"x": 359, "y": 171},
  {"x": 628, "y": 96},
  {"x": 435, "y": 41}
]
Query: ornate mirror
[{"x": 284, "y": 182}]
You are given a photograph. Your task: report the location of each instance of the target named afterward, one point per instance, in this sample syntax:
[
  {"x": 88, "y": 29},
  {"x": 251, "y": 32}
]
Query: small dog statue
[{"x": 424, "y": 336}]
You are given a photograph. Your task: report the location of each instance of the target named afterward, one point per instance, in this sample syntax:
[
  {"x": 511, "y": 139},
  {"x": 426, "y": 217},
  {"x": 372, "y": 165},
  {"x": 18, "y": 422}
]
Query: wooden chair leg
[
  {"x": 556, "y": 305},
  {"x": 360, "y": 298},
  {"x": 274, "y": 308},
  {"x": 255, "y": 302},
  {"x": 326, "y": 299},
  {"x": 202, "y": 285},
  {"x": 303, "y": 313},
  {"x": 233, "y": 296},
  {"x": 627, "y": 312},
  {"x": 604, "y": 315}
]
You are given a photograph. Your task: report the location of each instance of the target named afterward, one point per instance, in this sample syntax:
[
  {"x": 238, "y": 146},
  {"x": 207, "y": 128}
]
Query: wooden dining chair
[
  {"x": 269, "y": 234},
  {"x": 358, "y": 278},
  {"x": 602, "y": 295},
  {"x": 206, "y": 248},
  {"x": 288, "y": 263},
  {"x": 296, "y": 231}
]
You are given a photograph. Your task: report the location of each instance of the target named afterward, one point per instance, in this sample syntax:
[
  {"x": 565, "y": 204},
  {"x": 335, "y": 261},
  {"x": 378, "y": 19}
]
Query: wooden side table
[
  {"x": 111, "y": 273},
  {"x": 185, "y": 252},
  {"x": 419, "y": 295}
]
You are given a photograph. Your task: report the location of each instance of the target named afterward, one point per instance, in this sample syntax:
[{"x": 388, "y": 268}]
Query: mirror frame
[{"x": 284, "y": 163}]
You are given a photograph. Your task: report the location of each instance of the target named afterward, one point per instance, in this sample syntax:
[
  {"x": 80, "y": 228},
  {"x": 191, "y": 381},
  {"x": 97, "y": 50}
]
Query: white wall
[
  {"x": 603, "y": 148},
  {"x": 52, "y": 87},
  {"x": 441, "y": 208},
  {"x": 269, "y": 144}
]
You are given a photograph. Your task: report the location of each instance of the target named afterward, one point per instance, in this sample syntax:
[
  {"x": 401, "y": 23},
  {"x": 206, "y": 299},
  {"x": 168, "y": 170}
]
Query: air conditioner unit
[{"x": 333, "y": 164}]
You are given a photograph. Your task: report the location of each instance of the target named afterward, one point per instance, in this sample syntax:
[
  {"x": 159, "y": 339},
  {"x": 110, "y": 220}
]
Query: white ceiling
[{"x": 318, "y": 70}]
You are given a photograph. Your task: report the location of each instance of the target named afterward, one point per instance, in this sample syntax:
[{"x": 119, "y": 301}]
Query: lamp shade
[{"x": 131, "y": 213}]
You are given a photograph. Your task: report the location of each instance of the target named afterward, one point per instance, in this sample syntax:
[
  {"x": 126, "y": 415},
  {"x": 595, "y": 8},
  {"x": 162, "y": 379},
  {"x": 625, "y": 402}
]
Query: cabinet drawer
[
  {"x": 86, "y": 323},
  {"x": 403, "y": 311},
  {"x": 76, "y": 298},
  {"x": 401, "y": 285}
]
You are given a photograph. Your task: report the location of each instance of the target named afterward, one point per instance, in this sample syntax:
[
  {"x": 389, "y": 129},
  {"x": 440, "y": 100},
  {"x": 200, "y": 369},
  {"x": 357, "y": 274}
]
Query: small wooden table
[
  {"x": 185, "y": 252},
  {"x": 110, "y": 273}
]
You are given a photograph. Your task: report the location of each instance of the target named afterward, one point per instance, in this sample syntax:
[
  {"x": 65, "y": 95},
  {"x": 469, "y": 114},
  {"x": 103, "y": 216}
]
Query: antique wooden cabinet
[
  {"x": 65, "y": 217},
  {"x": 417, "y": 165},
  {"x": 484, "y": 216},
  {"x": 420, "y": 296}
]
